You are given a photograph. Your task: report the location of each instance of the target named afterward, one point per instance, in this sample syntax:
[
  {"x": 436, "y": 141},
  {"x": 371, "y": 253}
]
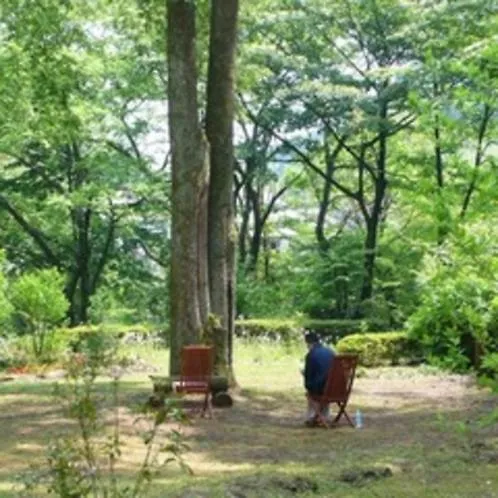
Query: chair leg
[
  {"x": 204, "y": 406},
  {"x": 207, "y": 406},
  {"x": 342, "y": 411},
  {"x": 210, "y": 406}
]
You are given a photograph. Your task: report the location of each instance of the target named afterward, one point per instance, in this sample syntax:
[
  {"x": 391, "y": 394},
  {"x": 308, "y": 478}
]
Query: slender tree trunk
[
  {"x": 442, "y": 228},
  {"x": 70, "y": 292},
  {"x": 84, "y": 217},
  {"x": 190, "y": 176},
  {"x": 244, "y": 226},
  {"x": 267, "y": 254},
  {"x": 323, "y": 242},
  {"x": 372, "y": 221},
  {"x": 257, "y": 233},
  {"x": 219, "y": 127},
  {"x": 479, "y": 156},
  {"x": 370, "y": 248}
]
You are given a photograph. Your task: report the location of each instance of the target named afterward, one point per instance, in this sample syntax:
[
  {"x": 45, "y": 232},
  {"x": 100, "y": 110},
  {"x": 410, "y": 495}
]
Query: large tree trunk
[
  {"x": 219, "y": 126},
  {"x": 189, "y": 301}
]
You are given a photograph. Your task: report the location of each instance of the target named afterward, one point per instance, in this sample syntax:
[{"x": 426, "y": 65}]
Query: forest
[
  {"x": 177, "y": 172},
  {"x": 364, "y": 163}
]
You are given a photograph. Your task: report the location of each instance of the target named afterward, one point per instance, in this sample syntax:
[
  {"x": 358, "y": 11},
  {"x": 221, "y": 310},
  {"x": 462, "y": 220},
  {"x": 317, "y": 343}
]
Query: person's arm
[{"x": 309, "y": 371}]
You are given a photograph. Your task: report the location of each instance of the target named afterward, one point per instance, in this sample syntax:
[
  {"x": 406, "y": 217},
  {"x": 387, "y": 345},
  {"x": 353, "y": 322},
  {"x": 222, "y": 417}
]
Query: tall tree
[
  {"x": 219, "y": 129},
  {"x": 189, "y": 284},
  {"x": 72, "y": 170},
  {"x": 203, "y": 249},
  {"x": 351, "y": 94}
]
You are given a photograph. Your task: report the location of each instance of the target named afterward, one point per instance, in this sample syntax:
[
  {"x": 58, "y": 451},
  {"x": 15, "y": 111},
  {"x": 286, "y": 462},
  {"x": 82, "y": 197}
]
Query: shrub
[
  {"x": 456, "y": 321},
  {"x": 271, "y": 329},
  {"x": 88, "y": 461},
  {"x": 333, "y": 330},
  {"x": 293, "y": 329},
  {"x": 39, "y": 301},
  {"x": 490, "y": 371},
  {"x": 452, "y": 322},
  {"x": 98, "y": 346},
  {"x": 5, "y": 306},
  {"x": 381, "y": 348}
]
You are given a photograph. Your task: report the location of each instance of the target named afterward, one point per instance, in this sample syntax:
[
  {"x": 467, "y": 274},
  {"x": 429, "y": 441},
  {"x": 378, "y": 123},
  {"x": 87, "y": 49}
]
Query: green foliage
[
  {"x": 19, "y": 351},
  {"x": 98, "y": 346},
  {"x": 293, "y": 329},
  {"x": 381, "y": 348},
  {"x": 38, "y": 299},
  {"x": 84, "y": 185},
  {"x": 85, "y": 464},
  {"x": 5, "y": 305},
  {"x": 270, "y": 329},
  {"x": 489, "y": 371},
  {"x": 456, "y": 320}
]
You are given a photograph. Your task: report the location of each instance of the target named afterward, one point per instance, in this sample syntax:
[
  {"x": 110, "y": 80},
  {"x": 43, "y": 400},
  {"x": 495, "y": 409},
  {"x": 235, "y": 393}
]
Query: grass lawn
[{"x": 419, "y": 424}]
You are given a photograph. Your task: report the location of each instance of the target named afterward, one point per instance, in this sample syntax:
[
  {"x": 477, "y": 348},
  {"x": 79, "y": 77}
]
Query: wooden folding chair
[
  {"x": 196, "y": 370},
  {"x": 337, "y": 389}
]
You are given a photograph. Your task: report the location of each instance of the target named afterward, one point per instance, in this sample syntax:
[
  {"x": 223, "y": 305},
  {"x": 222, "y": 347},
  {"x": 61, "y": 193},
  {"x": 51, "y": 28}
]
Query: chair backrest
[
  {"x": 197, "y": 363},
  {"x": 340, "y": 378}
]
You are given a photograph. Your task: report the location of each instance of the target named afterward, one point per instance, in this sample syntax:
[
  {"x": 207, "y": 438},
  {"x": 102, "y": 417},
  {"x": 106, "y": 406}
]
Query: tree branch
[
  {"x": 304, "y": 158},
  {"x": 488, "y": 112},
  {"x": 37, "y": 236},
  {"x": 276, "y": 197},
  {"x": 106, "y": 251}
]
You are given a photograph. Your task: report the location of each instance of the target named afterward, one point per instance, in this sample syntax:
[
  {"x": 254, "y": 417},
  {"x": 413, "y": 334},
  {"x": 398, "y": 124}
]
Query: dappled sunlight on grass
[{"x": 259, "y": 444}]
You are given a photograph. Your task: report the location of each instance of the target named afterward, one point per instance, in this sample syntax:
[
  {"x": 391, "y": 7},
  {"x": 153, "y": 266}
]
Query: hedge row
[
  {"x": 381, "y": 348},
  {"x": 275, "y": 329}
]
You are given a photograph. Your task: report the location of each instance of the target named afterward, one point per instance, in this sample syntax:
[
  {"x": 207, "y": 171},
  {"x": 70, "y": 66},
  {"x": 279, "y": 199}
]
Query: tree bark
[
  {"x": 219, "y": 127},
  {"x": 323, "y": 242},
  {"x": 84, "y": 255},
  {"x": 257, "y": 230},
  {"x": 372, "y": 221},
  {"x": 189, "y": 299},
  {"x": 244, "y": 226},
  {"x": 479, "y": 157}
]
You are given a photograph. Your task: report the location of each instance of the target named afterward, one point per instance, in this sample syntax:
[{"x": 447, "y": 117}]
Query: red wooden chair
[
  {"x": 337, "y": 389},
  {"x": 196, "y": 370}
]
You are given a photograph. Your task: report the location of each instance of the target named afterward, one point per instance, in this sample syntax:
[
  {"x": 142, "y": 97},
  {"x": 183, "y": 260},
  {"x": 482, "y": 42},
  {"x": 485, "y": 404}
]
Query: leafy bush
[
  {"x": 453, "y": 322},
  {"x": 98, "y": 346},
  {"x": 39, "y": 301},
  {"x": 492, "y": 324},
  {"x": 381, "y": 348},
  {"x": 457, "y": 320},
  {"x": 490, "y": 371}
]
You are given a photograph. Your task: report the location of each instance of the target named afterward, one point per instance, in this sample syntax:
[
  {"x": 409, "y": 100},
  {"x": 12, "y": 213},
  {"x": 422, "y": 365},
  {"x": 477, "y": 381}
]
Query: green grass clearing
[{"x": 259, "y": 448}]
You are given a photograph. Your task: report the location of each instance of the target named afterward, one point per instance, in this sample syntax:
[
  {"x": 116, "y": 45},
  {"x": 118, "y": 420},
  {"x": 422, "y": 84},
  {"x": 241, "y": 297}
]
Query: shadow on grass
[{"x": 263, "y": 436}]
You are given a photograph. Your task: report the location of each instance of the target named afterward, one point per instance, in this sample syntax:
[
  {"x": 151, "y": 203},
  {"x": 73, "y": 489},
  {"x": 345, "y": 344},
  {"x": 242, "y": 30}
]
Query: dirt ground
[{"x": 421, "y": 437}]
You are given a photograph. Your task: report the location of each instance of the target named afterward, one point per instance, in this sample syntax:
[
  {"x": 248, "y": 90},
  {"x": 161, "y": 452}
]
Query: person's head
[{"x": 311, "y": 339}]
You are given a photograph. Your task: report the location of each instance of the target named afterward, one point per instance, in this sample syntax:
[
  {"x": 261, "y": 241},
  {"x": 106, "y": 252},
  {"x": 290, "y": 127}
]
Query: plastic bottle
[{"x": 359, "y": 419}]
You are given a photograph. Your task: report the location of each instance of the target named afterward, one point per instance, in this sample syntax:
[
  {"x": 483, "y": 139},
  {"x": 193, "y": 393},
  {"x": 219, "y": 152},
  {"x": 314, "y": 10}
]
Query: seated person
[{"x": 317, "y": 365}]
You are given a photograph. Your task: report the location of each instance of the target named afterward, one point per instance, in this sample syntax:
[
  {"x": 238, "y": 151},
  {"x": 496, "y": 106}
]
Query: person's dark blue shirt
[{"x": 318, "y": 362}]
